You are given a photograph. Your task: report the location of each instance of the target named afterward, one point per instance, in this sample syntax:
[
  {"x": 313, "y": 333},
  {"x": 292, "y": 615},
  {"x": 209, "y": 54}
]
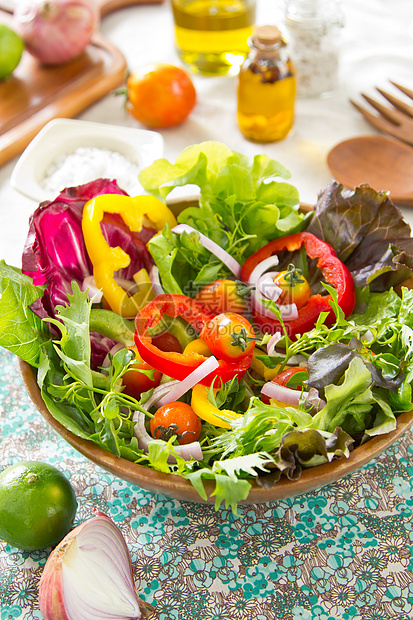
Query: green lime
[
  {"x": 11, "y": 50},
  {"x": 37, "y": 505}
]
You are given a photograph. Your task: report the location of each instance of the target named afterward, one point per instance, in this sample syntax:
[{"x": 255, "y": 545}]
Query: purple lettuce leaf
[{"x": 368, "y": 233}]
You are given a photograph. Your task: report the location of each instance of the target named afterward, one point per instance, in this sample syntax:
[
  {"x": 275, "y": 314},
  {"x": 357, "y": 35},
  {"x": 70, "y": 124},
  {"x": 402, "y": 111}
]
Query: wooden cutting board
[{"x": 35, "y": 94}]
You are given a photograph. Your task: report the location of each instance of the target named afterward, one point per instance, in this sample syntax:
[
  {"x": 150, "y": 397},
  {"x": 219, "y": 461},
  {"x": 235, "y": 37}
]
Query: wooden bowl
[
  {"x": 179, "y": 488},
  {"x": 174, "y": 486}
]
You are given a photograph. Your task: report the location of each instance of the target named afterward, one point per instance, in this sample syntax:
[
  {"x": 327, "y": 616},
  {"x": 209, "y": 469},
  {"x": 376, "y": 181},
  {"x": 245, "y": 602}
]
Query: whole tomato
[
  {"x": 137, "y": 382},
  {"x": 178, "y": 419},
  {"x": 160, "y": 95},
  {"x": 295, "y": 288},
  {"x": 229, "y": 336},
  {"x": 223, "y": 296}
]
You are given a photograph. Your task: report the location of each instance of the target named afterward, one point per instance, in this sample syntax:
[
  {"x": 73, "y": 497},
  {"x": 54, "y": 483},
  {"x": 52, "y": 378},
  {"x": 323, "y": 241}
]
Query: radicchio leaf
[
  {"x": 368, "y": 233},
  {"x": 55, "y": 253}
]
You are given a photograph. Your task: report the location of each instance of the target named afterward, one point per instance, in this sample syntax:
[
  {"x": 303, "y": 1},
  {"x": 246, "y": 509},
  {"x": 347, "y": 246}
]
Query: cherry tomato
[
  {"x": 137, "y": 382},
  {"x": 229, "y": 336},
  {"x": 160, "y": 95},
  {"x": 222, "y": 296},
  {"x": 167, "y": 342},
  {"x": 178, "y": 419},
  {"x": 284, "y": 377},
  {"x": 295, "y": 288}
]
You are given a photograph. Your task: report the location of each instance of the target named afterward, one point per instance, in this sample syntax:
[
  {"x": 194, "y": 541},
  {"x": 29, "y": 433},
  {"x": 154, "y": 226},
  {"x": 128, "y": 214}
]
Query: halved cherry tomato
[
  {"x": 295, "y": 288},
  {"x": 178, "y": 419},
  {"x": 136, "y": 382},
  {"x": 223, "y": 296},
  {"x": 229, "y": 336}
]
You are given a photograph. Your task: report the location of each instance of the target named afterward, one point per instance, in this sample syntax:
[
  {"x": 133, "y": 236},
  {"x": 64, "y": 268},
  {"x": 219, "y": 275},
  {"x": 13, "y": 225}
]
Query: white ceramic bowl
[{"x": 62, "y": 136}]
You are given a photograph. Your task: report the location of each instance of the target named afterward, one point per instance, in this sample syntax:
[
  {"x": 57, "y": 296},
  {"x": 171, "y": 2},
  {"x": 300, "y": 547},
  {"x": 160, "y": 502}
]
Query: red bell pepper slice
[
  {"x": 180, "y": 365},
  {"x": 334, "y": 273}
]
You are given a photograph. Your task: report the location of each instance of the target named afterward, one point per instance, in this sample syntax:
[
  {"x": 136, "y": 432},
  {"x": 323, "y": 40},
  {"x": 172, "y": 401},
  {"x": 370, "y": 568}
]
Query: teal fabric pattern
[{"x": 344, "y": 552}]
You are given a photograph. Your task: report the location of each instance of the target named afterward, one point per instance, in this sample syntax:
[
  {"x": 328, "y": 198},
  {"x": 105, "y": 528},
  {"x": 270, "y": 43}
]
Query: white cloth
[{"x": 377, "y": 45}]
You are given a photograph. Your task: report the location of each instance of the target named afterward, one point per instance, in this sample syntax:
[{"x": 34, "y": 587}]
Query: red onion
[
  {"x": 213, "y": 247},
  {"x": 94, "y": 293},
  {"x": 192, "y": 379},
  {"x": 261, "y": 268},
  {"x": 88, "y": 576},
  {"x": 56, "y": 31},
  {"x": 267, "y": 287},
  {"x": 281, "y": 393},
  {"x": 273, "y": 341},
  {"x": 155, "y": 281}
]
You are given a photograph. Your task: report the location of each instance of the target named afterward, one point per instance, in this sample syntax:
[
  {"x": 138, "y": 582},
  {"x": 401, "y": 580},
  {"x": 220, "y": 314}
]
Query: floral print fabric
[{"x": 343, "y": 552}]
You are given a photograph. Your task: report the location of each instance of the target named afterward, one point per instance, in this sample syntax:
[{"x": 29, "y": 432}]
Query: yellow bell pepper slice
[
  {"x": 198, "y": 346},
  {"x": 106, "y": 260},
  {"x": 207, "y": 411},
  {"x": 261, "y": 368}
]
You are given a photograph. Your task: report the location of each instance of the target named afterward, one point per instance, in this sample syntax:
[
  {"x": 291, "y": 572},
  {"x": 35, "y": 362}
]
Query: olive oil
[
  {"x": 212, "y": 35},
  {"x": 266, "y": 88}
]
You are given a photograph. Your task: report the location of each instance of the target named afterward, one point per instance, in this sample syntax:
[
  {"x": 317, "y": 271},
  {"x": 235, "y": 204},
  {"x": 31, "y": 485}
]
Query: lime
[
  {"x": 11, "y": 50},
  {"x": 37, "y": 505}
]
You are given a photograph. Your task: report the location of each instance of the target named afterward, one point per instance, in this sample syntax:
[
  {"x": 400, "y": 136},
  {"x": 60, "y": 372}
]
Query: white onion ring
[
  {"x": 192, "y": 379},
  {"x": 281, "y": 393},
  {"x": 156, "y": 281},
  {"x": 213, "y": 247}
]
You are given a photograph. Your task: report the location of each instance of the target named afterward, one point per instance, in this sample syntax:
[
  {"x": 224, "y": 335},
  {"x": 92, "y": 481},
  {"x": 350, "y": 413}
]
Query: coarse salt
[{"x": 86, "y": 164}]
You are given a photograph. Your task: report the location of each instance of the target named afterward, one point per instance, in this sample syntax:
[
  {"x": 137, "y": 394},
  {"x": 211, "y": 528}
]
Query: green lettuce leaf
[{"x": 21, "y": 331}]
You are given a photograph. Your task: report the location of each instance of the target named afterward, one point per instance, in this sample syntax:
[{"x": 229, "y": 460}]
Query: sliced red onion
[
  {"x": 262, "y": 267},
  {"x": 156, "y": 281},
  {"x": 267, "y": 287},
  {"x": 160, "y": 391},
  {"x": 288, "y": 311},
  {"x": 192, "y": 379},
  {"x": 117, "y": 347},
  {"x": 187, "y": 451},
  {"x": 213, "y": 247},
  {"x": 94, "y": 293},
  {"x": 273, "y": 341},
  {"x": 281, "y": 393}
]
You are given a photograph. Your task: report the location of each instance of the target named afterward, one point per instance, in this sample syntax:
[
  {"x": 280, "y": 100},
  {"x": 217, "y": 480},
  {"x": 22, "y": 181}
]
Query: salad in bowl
[{"x": 233, "y": 343}]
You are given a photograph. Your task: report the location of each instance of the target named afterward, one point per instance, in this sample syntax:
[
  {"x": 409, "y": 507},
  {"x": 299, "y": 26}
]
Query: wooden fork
[{"x": 396, "y": 121}]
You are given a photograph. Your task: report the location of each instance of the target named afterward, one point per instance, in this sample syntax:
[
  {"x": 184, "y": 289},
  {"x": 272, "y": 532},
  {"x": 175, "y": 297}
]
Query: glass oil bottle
[
  {"x": 266, "y": 88},
  {"x": 211, "y": 36}
]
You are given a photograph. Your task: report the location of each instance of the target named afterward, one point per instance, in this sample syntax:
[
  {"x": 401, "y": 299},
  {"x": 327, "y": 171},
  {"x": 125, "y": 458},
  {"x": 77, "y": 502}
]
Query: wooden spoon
[{"x": 382, "y": 162}]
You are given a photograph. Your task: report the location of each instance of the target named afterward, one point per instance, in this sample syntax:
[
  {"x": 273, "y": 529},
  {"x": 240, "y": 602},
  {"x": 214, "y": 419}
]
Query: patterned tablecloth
[{"x": 344, "y": 552}]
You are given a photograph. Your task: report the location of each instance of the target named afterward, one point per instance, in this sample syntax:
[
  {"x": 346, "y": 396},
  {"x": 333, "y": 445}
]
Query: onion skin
[
  {"x": 56, "y": 31},
  {"x": 51, "y": 601},
  {"x": 51, "y": 596}
]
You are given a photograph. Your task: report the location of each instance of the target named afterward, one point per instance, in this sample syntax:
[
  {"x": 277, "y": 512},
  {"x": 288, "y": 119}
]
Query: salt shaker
[
  {"x": 313, "y": 30},
  {"x": 266, "y": 88}
]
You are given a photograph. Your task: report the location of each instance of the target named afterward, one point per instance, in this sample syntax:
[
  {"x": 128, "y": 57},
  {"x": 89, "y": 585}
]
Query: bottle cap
[{"x": 266, "y": 37}]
